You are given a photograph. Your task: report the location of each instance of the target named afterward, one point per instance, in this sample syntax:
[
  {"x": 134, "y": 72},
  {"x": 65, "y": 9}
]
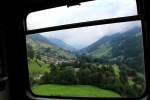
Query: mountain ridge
[
  {"x": 44, "y": 48},
  {"x": 61, "y": 44},
  {"x": 126, "y": 47}
]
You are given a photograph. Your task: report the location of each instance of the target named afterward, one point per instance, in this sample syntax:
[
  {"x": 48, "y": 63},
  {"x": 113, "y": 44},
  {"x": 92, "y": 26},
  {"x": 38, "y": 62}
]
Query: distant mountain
[
  {"x": 116, "y": 37},
  {"x": 45, "y": 48},
  {"x": 121, "y": 48},
  {"x": 126, "y": 47},
  {"x": 61, "y": 44}
]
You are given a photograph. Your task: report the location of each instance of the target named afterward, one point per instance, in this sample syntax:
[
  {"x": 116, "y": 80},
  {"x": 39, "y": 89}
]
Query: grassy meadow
[{"x": 72, "y": 91}]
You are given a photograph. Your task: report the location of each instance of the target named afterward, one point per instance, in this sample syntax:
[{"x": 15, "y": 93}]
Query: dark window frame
[
  {"x": 3, "y": 74},
  {"x": 139, "y": 17}
]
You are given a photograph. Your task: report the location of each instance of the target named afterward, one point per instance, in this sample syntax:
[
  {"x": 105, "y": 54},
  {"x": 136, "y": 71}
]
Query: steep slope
[
  {"x": 124, "y": 47},
  {"x": 43, "y": 48}
]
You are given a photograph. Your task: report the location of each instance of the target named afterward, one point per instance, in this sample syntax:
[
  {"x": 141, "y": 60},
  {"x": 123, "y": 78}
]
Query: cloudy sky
[
  {"x": 84, "y": 36},
  {"x": 93, "y": 10}
]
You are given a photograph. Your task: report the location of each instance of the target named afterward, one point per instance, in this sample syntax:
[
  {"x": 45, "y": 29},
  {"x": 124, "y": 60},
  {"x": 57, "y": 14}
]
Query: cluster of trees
[
  {"x": 91, "y": 71},
  {"x": 100, "y": 75},
  {"x": 87, "y": 70}
]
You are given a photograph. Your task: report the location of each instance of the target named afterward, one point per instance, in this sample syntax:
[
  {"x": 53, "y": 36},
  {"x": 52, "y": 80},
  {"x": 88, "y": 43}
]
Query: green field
[{"x": 72, "y": 91}]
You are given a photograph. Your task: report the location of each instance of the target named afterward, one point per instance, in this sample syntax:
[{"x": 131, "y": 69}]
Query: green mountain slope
[
  {"x": 124, "y": 47},
  {"x": 45, "y": 50}
]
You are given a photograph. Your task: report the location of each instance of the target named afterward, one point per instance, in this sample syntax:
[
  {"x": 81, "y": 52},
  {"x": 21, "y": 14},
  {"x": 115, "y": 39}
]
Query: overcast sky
[
  {"x": 94, "y": 10},
  {"x": 82, "y": 37}
]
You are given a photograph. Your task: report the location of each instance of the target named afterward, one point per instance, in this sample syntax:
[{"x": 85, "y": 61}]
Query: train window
[
  {"x": 93, "y": 10},
  {"x": 87, "y": 52}
]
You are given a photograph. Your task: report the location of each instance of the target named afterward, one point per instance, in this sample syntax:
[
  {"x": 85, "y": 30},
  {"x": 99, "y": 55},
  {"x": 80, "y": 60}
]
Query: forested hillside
[
  {"x": 45, "y": 50},
  {"x": 120, "y": 48},
  {"x": 114, "y": 63}
]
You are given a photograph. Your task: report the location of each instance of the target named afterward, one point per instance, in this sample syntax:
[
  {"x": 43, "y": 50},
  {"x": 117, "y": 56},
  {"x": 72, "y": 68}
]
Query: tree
[
  {"x": 84, "y": 75},
  {"x": 53, "y": 73},
  {"x": 67, "y": 76},
  {"x": 30, "y": 51},
  {"x": 38, "y": 55},
  {"x": 45, "y": 78}
]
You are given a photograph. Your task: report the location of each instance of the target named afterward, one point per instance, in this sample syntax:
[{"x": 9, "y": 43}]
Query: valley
[{"x": 114, "y": 62}]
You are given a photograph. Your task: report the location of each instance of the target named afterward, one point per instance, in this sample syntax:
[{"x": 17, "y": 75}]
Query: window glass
[
  {"x": 95, "y": 61},
  {"x": 88, "y": 11}
]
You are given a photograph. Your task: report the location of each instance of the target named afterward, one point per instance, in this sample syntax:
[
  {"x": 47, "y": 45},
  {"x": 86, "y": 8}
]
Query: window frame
[
  {"x": 139, "y": 17},
  {"x": 3, "y": 74}
]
